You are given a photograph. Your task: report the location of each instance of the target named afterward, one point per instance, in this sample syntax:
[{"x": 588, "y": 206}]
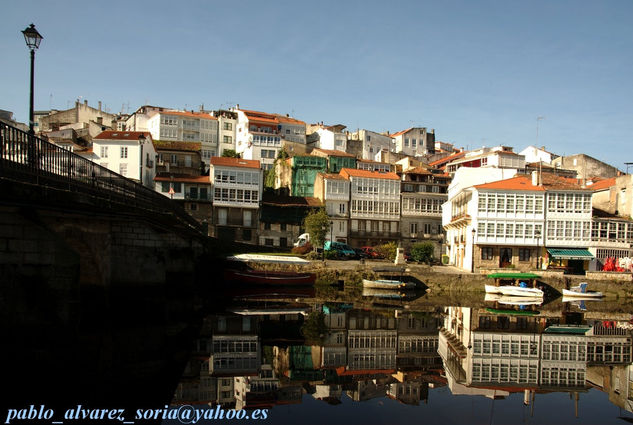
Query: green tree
[
  {"x": 230, "y": 153},
  {"x": 422, "y": 252},
  {"x": 317, "y": 224},
  {"x": 314, "y": 328},
  {"x": 269, "y": 177}
]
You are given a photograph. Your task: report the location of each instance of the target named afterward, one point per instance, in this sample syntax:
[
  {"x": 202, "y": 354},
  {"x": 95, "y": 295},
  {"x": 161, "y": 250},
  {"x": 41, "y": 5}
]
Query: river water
[{"x": 315, "y": 357}]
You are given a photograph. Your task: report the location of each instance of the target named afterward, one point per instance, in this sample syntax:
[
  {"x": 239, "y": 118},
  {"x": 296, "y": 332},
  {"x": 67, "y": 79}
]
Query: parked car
[
  {"x": 342, "y": 250},
  {"x": 370, "y": 252},
  {"x": 360, "y": 253}
]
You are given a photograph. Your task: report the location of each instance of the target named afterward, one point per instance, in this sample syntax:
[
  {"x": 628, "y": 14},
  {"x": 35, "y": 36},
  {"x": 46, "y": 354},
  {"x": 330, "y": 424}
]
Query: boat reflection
[{"x": 277, "y": 352}]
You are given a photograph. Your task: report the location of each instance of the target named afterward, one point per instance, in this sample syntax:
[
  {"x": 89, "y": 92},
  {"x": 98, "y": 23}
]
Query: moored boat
[
  {"x": 263, "y": 277},
  {"x": 513, "y": 300},
  {"x": 514, "y": 284},
  {"x": 387, "y": 284},
  {"x": 581, "y": 291}
]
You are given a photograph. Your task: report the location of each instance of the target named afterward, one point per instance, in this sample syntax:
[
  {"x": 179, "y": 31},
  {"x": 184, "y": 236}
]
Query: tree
[
  {"x": 422, "y": 252},
  {"x": 230, "y": 153},
  {"x": 314, "y": 328},
  {"x": 317, "y": 224}
]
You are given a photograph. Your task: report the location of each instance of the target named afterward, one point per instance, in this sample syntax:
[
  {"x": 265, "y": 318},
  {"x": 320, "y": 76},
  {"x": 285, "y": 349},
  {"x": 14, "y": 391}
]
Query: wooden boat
[
  {"x": 263, "y": 277},
  {"x": 387, "y": 284},
  {"x": 514, "y": 284},
  {"x": 513, "y": 300},
  {"x": 580, "y": 291}
]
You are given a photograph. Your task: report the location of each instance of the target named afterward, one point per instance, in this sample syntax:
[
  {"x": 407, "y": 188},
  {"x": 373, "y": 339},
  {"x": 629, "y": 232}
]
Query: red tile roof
[
  {"x": 122, "y": 135},
  {"x": 330, "y": 176},
  {"x": 177, "y": 146},
  {"x": 332, "y": 152},
  {"x": 354, "y": 172},
  {"x": 550, "y": 182},
  {"x": 603, "y": 184},
  {"x": 191, "y": 114},
  {"x": 447, "y": 159},
  {"x": 417, "y": 170},
  {"x": 515, "y": 183},
  {"x": 234, "y": 162},
  {"x": 400, "y": 132}
]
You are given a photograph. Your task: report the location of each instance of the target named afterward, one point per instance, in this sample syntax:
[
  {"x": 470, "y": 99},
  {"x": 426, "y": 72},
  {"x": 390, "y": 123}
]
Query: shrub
[
  {"x": 444, "y": 259},
  {"x": 302, "y": 250},
  {"x": 423, "y": 252},
  {"x": 387, "y": 250}
]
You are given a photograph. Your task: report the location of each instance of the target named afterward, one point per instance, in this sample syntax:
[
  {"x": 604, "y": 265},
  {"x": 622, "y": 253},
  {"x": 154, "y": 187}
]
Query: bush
[
  {"x": 387, "y": 250},
  {"x": 302, "y": 250},
  {"x": 444, "y": 259},
  {"x": 422, "y": 252},
  {"x": 313, "y": 255},
  {"x": 332, "y": 254}
]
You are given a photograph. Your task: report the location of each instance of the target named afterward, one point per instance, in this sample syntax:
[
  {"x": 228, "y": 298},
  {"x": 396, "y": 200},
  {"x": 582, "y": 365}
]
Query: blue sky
[{"x": 478, "y": 72}]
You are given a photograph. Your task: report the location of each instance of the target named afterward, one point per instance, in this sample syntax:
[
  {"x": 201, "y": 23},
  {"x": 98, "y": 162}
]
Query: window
[
  {"x": 227, "y": 139},
  {"x": 248, "y": 218},
  {"x": 227, "y": 126},
  {"x": 486, "y": 253},
  {"x": 123, "y": 169},
  {"x": 124, "y": 152},
  {"x": 406, "y": 143},
  {"x": 414, "y": 228},
  {"x": 104, "y": 151},
  {"x": 164, "y": 187},
  {"x": 266, "y": 226},
  {"x": 268, "y": 241},
  {"x": 193, "y": 192},
  {"x": 524, "y": 254},
  {"x": 193, "y": 207},
  {"x": 222, "y": 216},
  {"x": 282, "y": 227},
  {"x": 341, "y": 208}
]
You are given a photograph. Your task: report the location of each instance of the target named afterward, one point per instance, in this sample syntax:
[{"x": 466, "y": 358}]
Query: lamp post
[
  {"x": 331, "y": 228},
  {"x": 33, "y": 39},
  {"x": 472, "y": 263},
  {"x": 538, "y": 253}
]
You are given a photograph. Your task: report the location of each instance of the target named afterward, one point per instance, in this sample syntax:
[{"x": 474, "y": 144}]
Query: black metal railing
[{"x": 34, "y": 160}]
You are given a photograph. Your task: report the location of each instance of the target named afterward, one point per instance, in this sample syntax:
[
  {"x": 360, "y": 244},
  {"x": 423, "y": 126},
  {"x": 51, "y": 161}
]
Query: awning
[{"x": 570, "y": 253}]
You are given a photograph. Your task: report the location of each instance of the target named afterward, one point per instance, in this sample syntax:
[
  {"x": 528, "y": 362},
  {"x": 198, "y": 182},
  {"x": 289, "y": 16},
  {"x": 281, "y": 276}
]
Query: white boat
[
  {"x": 514, "y": 291},
  {"x": 387, "y": 293},
  {"x": 387, "y": 284},
  {"x": 580, "y": 291},
  {"x": 513, "y": 300}
]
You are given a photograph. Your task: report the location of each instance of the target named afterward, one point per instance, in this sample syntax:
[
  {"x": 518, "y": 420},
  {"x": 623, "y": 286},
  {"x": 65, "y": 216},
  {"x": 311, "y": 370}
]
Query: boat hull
[
  {"x": 587, "y": 295},
  {"x": 513, "y": 300},
  {"x": 515, "y": 291},
  {"x": 257, "y": 277},
  {"x": 387, "y": 284}
]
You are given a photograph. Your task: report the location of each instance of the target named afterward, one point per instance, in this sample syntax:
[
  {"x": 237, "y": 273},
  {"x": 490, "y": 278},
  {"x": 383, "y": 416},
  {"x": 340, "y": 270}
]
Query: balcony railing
[
  {"x": 374, "y": 234},
  {"x": 34, "y": 160}
]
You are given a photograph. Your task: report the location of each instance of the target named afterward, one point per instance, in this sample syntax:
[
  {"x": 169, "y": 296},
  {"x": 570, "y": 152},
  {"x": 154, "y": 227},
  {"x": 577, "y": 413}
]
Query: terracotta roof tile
[
  {"x": 447, "y": 159},
  {"x": 203, "y": 115},
  {"x": 122, "y": 135},
  {"x": 330, "y": 176},
  {"x": 603, "y": 184},
  {"x": 400, "y": 132},
  {"x": 515, "y": 183},
  {"x": 417, "y": 170},
  {"x": 177, "y": 146},
  {"x": 354, "y": 172},
  {"x": 234, "y": 162}
]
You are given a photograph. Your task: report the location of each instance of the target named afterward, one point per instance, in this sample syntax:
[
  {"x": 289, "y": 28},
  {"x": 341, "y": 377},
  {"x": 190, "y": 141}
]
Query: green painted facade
[
  {"x": 337, "y": 163},
  {"x": 304, "y": 171}
]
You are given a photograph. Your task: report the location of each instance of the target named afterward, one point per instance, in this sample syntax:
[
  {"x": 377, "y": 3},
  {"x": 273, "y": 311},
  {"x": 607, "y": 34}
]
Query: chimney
[
  {"x": 536, "y": 181},
  {"x": 86, "y": 102},
  {"x": 99, "y": 105}
]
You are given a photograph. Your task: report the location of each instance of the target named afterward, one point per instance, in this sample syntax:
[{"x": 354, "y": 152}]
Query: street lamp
[
  {"x": 538, "y": 253},
  {"x": 472, "y": 264},
  {"x": 33, "y": 39}
]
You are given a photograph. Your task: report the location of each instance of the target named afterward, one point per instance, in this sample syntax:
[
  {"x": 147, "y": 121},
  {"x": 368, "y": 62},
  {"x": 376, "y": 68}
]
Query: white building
[
  {"x": 373, "y": 143},
  {"x": 374, "y": 206},
  {"x": 237, "y": 187},
  {"x": 186, "y": 126},
  {"x": 259, "y": 135},
  {"x": 227, "y": 125},
  {"x": 508, "y": 223},
  {"x": 129, "y": 153},
  {"x": 533, "y": 154},
  {"x": 334, "y": 191},
  {"x": 328, "y": 137},
  {"x": 415, "y": 141},
  {"x": 497, "y": 157}
]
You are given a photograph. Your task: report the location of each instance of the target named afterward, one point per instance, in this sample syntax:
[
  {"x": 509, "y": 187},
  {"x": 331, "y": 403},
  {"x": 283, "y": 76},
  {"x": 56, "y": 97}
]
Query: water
[{"x": 338, "y": 358}]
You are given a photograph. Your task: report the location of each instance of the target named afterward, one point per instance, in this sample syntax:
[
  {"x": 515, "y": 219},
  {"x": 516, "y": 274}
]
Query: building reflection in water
[{"x": 256, "y": 356}]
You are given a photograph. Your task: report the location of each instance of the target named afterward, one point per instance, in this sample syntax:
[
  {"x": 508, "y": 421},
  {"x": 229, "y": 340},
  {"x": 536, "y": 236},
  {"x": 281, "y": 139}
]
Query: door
[{"x": 505, "y": 257}]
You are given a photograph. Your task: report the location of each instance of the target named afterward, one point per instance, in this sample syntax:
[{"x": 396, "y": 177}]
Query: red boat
[{"x": 262, "y": 277}]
